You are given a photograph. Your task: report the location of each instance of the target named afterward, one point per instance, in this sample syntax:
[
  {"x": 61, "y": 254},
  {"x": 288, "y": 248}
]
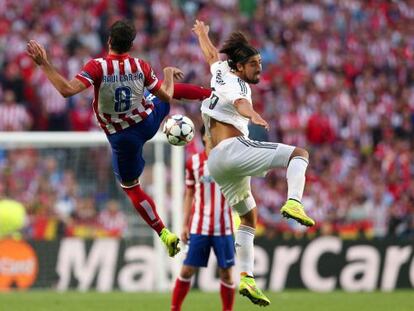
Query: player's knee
[
  {"x": 187, "y": 272},
  {"x": 226, "y": 276},
  {"x": 249, "y": 219},
  {"x": 299, "y": 152},
  {"x": 129, "y": 184}
]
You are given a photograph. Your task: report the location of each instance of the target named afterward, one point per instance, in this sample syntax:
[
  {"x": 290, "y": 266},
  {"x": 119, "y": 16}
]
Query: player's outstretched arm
[
  {"x": 67, "y": 88},
  {"x": 245, "y": 108},
  {"x": 209, "y": 50}
]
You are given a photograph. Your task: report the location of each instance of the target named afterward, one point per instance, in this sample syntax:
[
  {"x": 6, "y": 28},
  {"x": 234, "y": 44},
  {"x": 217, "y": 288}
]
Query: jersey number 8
[{"x": 122, "y": 98}]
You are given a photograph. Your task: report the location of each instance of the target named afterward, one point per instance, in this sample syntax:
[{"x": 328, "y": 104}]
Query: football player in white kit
[{"x": 234, "y": 157}]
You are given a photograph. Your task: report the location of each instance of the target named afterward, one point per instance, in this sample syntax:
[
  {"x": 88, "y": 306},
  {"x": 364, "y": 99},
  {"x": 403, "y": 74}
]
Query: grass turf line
[{"x": 290, "y": 300}]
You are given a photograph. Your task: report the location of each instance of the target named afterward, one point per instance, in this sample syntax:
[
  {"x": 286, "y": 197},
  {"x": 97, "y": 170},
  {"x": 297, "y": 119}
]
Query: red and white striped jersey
[
  {"x": 14, "y": 117},
  {"x": 210, "y": 214},
  {"x": 115, "y": 223},
  {"x": 119, "y": 82}
]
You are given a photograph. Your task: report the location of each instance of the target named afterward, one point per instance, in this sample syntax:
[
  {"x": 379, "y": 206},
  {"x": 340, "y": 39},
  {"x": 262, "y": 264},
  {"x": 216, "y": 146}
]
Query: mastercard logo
[{"x": 18, "y": 265}]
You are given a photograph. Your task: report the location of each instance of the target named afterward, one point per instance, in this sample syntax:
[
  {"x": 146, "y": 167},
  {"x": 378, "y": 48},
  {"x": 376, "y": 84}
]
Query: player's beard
[{"x": 254, "y": 80}]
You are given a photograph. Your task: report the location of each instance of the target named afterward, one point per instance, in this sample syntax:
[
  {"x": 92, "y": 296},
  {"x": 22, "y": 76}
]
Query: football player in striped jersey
[
  {"x": 207, "y": 225},
  {"x": 128, "y": 118}
]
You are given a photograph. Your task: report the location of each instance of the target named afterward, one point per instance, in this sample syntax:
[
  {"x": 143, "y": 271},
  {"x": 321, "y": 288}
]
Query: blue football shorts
[
  {"x": 127, "y": 160},
  {"x": 199, "y": 247}
]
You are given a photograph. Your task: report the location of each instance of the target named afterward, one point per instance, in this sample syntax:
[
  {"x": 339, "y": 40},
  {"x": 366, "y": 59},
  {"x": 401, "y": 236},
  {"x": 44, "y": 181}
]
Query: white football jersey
[{"x": 226, "y": 89}]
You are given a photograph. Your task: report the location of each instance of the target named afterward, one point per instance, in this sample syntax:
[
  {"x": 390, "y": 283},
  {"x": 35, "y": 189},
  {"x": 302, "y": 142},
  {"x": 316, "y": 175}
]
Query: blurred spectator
[
  {"x": 67, "y": 189},
  {"x": 319, "y": 129},
  {"x": 81, "y": 116},
  {"x": 380, "y": 203},
  {"x": 13, "y": 116},
  {"x": 113, "y": 220},
  {"x": 84, "y": 221},
  {"x": 54, "y": 107},
  {"x": 43, "y": 224},
  {"x": 11, "y": 79}
]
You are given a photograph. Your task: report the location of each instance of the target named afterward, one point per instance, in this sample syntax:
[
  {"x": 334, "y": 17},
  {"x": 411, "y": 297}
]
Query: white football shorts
[{"x": 234, "y": 160}]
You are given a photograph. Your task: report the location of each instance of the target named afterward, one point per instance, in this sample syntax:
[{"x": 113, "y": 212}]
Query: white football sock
[
  {"x": 296, "y": 177},
  {"x": 245, "y": 248}
]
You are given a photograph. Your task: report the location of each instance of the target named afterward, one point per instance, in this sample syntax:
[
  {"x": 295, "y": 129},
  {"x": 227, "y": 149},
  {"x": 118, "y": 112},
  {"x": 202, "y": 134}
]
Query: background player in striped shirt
[
  {"x": 127, "y": 117},
  {"x": 207, "y": 225}
]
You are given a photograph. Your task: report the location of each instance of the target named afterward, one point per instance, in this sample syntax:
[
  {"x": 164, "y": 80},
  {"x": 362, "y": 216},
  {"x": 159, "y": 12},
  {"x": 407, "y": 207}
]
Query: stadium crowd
[{"x": 338, "y": 79}]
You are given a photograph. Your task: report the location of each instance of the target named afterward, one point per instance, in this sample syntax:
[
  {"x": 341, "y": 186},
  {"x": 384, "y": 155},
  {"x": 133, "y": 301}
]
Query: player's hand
[
  {"x": 200, "y": 28},
  {"x": 177, "y": 73},
  {"x": 258, "y": 120},
  {"x": 185, "y": 234},
  {"x": 37, "y": 52}
]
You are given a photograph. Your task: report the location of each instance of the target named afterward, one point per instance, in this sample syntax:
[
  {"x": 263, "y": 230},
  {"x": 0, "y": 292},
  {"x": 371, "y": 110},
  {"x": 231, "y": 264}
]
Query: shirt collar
[{"x": 118, "y": 56}]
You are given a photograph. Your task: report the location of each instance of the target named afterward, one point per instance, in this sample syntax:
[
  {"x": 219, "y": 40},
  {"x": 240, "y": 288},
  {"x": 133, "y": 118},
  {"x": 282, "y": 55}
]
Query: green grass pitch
[{"x": 300, "y": 300}]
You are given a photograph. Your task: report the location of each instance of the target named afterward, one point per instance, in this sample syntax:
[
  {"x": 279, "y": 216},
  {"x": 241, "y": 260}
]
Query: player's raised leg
[
  {"x": 293, "y": 208},
  {"x": 146, "y": 208},
  {"x": 128, "y": 164}
]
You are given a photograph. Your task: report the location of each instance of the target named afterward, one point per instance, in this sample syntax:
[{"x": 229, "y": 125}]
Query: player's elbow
[
  {"x": 165, "y": 93},
  {"x": 167, "y": 98},
  {"x": 66, "y": 92},
  {"x": 212, "y": 58}
]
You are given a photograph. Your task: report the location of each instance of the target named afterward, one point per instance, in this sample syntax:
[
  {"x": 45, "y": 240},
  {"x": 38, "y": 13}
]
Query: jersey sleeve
[
  {"x": 189, "y": 174},
  {"x": 91, "y": 73},
  {"x": 152, "y": 83},
  {"x": 190, "y": 91}
]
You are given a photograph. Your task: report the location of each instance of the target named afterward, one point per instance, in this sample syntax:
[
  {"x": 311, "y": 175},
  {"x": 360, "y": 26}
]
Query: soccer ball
[{"x": 179, "y": 130}]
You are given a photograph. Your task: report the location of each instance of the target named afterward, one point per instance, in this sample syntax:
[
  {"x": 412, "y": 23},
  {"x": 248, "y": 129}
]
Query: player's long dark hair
[
  {"x": 237, "y": 49},
  {"x": 121, "y": 34}
]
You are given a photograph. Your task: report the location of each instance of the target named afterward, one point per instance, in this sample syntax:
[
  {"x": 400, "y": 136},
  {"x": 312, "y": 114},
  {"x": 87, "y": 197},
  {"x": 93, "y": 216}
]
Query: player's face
[{"x": 252, "y": 69}]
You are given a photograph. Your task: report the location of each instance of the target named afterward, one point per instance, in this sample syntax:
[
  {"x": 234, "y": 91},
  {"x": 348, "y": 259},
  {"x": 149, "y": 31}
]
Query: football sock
[
  {"x": 181, "y": 289},
  {"x": 145, "y": 206},
  {"x": 245, "y": 249},
  {"x": 296, "y": 177},
  {"x": 190, "y": 91},
  {"x": 227, "y": 296}
]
